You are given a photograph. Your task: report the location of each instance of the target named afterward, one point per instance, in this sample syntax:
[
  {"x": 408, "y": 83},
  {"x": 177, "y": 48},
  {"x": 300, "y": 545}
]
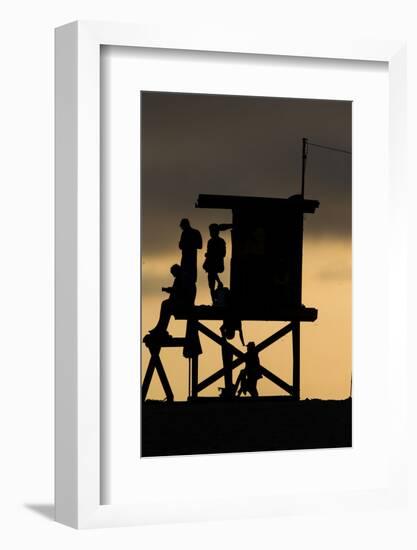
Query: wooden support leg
[
  {"x": 296, "y": 359},
  {"x": 227, "y": 356},
  {"x": 164, "y": 379},
  {"x": 194, "y": 376},
  {"x": 148, "y": 377},
  {"x": 189, "y": 378},
  {"x": 192, "y": 349}
]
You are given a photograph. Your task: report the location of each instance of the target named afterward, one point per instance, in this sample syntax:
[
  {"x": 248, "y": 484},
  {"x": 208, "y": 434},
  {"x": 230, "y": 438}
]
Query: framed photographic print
[
  {"x": 217, "y": 199},
  {"x": 238, "y": 290}
]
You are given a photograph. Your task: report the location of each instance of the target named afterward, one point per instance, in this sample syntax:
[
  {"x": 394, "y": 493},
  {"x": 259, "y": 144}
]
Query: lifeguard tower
[{"x": 265, "y": 285}]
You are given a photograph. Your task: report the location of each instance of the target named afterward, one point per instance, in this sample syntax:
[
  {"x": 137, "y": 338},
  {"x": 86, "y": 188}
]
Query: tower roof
[{"x": 260, "y": 203}]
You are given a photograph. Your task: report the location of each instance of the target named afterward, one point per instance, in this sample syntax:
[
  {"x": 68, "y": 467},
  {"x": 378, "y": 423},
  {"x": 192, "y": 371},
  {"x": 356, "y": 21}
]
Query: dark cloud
[{"x": 195, "y": 144}]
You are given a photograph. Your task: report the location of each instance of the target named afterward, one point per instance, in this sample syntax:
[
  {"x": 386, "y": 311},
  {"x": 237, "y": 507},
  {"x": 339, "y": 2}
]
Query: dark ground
[{"x": 215, "y": 426}]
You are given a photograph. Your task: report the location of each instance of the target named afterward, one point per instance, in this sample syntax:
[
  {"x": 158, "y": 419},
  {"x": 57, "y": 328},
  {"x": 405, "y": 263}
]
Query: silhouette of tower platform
[{"x": 265, "y": 285}]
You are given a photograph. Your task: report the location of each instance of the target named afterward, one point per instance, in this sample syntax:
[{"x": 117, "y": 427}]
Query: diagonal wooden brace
[
  {"x": 277, "y": 380},
  {"x": 241, "y": 355}
]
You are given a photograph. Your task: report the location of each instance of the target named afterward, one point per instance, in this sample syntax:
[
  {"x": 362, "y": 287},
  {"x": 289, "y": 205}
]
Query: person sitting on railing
[{"x": 181, "y": 297}]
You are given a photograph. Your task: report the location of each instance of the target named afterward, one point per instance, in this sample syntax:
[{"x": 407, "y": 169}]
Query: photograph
[{"x": 246, "y": 260}]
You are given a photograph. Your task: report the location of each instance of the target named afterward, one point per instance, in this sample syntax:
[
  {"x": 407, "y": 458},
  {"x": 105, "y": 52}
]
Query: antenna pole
[{"x": 304, "y": 157}]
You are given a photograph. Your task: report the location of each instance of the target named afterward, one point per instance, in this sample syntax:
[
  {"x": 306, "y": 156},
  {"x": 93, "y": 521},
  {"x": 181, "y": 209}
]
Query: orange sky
[{"x": 325, "y": 344}]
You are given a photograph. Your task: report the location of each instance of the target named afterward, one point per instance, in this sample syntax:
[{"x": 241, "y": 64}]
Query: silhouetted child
[
  {"x": 249, "y": 376},
  {"x": 214, "y": 262}
]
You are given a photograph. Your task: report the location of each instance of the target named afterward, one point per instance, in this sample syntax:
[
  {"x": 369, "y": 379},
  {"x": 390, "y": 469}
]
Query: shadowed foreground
[{"x": 215, "y": 426}]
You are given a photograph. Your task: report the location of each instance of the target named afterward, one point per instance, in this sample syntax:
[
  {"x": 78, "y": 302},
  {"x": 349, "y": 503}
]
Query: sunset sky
[{"x": 194, "y": 144}]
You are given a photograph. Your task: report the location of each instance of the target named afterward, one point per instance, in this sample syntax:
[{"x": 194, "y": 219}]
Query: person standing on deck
[
  {"x": 214, "y": 262},
  {"x": 189, "y": 243}
]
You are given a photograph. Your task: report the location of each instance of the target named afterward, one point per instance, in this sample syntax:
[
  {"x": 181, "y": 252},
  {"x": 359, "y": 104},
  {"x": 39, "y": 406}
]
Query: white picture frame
[{"x": 78, "y": 248}]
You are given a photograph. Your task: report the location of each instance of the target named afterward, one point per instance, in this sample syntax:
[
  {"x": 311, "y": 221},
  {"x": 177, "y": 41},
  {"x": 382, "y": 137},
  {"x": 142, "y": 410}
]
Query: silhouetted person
[
  {"x": 214, "y": 262},
  {"x": 189, "y": 243},
  {"x": 249, "y": 376},
  {"x": 181, "y": 296}
]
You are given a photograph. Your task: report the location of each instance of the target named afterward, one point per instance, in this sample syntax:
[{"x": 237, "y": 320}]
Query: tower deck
[{"x": 213, "y": 313}]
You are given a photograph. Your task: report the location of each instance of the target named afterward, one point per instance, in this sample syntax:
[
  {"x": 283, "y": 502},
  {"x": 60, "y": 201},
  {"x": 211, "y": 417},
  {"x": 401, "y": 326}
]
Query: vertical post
[
  {"x": 301, "y": 221},
  {"x": 304, "y": 161},
  {"x": 194, "y": 376},
  {"x": 296, "y": 359},
  {"x": 191, "y": 350},
  {"x": 227, "y": 356}
]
